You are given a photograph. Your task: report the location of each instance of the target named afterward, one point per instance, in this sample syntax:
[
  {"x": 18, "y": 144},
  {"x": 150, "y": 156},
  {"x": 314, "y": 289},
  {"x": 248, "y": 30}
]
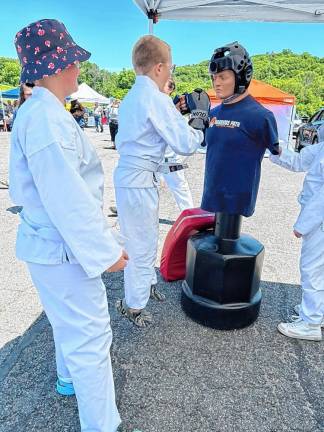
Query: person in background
[
  {"x": 77, "y": 112},
  {"x": 9, "y": 120},
  {"x": 25, "y": 91},
  {"x": 113, "y": 122},
  {"x": 104, "y": 118},
  {"x": 10, "y": 107},
  {"x": 97, "y": 112},
  {"x": 177, "y": 181}
]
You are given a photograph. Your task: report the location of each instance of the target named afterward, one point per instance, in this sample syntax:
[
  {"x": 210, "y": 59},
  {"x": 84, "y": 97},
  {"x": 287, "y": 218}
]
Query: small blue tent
[{"x": 11, "y": 94}]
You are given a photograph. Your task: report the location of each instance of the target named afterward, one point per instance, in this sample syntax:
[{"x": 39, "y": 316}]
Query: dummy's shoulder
[
  {"x": 214, "y": 111},
  {"x": 260, "y": 110}
]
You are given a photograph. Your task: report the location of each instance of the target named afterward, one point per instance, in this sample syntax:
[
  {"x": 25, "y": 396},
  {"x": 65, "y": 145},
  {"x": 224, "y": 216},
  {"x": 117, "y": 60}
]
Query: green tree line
[{"x": 299, "y": 74}]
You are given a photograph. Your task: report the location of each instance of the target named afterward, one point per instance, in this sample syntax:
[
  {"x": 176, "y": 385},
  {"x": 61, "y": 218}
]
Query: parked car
[
  {"x": 309, "y": 132},
  {"x": 297, "y": 122},
  {"x": 321, "y": 133}
]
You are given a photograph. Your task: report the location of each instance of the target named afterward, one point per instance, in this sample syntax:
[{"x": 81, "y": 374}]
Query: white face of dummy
[{"x": 224, "y": 84}]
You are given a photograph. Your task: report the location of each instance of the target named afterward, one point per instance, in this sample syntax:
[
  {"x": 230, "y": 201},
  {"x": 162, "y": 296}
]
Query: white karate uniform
[
  {"x": 310, "y": 224},
  {"x": 57, "y": 177},
  {"x": 148, "y": 122},
  {"x": 178, "y": 183}
]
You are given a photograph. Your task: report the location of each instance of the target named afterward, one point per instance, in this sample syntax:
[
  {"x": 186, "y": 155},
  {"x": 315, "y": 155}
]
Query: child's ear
[{"x": 158, "y": 67}]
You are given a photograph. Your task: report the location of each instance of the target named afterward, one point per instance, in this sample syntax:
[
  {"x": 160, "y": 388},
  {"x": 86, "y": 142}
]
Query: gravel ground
[{"x": 174, "y": 376}]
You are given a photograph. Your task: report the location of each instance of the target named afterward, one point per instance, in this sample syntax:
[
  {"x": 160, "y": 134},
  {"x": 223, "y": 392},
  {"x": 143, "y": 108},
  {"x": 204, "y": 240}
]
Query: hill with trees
[{"x": 298, "y": 74}]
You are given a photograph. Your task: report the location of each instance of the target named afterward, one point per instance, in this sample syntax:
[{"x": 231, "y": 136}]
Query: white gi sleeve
[
  {"x": 173, "y": 127},
  {"x": 312, "y": 213},
  {"x": 73, "y": 210},
  {"x": 296, "y": 161}
]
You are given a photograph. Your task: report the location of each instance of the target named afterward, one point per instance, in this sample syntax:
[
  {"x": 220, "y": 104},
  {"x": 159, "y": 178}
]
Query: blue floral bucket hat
[{"x": 46, "y": 48}]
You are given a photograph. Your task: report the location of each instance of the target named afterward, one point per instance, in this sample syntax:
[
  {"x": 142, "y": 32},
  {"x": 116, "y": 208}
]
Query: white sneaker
[
  {"x": 300, "y": 329},
  {"x": 297, "y": 311}
]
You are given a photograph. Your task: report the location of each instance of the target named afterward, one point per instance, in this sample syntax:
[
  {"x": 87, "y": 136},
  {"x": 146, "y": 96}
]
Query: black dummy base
[{"x": 221, "y": 288}]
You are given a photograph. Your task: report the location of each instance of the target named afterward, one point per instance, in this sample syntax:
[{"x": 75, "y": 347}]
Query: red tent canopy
[{"x": 263, "y": 93}]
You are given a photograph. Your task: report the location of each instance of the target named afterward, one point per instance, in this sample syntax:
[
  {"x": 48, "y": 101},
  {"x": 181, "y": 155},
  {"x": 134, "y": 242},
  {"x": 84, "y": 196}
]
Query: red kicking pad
[{"x": 173, "y": 258}]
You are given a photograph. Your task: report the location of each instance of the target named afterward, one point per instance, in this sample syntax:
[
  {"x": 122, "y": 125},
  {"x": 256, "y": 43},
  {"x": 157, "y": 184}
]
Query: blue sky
[{"x": 109, "y": 28}]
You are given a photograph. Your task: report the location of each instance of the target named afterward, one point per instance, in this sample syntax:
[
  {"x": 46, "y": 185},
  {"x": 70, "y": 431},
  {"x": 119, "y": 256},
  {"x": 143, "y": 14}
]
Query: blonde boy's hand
[
  {"x": 120, "y": 264},
  {"x": 297, "y": 234},
  {"x": 181, "y": 105}
]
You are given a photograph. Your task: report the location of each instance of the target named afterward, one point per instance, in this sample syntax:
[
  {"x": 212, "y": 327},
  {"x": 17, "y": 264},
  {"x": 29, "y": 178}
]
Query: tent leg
[
  {"x": 292, "y": 117},
  {"x": 151, "y": 26}
]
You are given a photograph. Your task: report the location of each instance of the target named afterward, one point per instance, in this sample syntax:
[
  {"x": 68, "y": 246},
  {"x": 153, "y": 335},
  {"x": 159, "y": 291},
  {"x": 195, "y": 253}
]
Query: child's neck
[{"x": 155, "y": 79}]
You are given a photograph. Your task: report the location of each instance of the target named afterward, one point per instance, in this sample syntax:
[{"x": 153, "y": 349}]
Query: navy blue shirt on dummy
[{"x": 237, "y": 139}]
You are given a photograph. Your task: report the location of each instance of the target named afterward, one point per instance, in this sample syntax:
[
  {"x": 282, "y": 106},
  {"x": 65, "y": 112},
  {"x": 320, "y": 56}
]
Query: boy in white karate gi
[
  {"x": 63, "y": 236},
  {"x": 148, "y": 122},
  {"x": 310, "y": 228}
]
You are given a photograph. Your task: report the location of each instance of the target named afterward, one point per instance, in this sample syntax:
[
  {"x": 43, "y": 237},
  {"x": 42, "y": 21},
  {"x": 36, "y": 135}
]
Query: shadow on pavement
[{"x": 166, "y": 221}]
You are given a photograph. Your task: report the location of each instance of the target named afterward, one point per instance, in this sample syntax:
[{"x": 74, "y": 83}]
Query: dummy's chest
[{"x": 231, "y": 135}]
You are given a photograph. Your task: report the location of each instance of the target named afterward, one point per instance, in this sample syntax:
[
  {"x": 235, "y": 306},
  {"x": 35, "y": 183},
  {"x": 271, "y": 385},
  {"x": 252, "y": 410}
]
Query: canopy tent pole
[
  {"x": 150, "y": 26},
  {"x": 293, "y": 114},
  {"x": 152, "y": 14}
]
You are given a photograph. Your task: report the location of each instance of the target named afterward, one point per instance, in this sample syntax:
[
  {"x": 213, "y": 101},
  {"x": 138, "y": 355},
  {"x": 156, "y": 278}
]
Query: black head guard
[{"x": 235, "y": 58}]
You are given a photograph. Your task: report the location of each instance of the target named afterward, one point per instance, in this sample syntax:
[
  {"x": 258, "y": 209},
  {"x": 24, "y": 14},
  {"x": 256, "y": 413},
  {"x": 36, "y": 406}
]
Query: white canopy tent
[
  {"x": 297, "y": 11},
  {"x": 86, "y": 94}
]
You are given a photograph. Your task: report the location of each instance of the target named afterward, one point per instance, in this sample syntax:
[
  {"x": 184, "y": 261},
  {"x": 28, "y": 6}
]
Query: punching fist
[
  {"x": 180, "y": 103},
  {"x": 197, "y": 104},
  {"x": 120, "y": 264}
]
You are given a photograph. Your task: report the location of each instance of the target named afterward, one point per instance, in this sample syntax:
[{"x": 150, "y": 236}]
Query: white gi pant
[
  {"x": 178, "y": 184},
  {"x": 77, "y": 309},
  {"x": 312, "y": 276},
  {"x": 138, "y": 215},
  {"x": 179, "y": 187}
]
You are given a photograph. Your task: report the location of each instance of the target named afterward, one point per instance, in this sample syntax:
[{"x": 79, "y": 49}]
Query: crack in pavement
[{"x": 303, "y": 379}]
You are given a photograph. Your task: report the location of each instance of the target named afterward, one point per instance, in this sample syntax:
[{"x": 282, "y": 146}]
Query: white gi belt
[
  {"x": 147, "y": 165},
  {"x": 169, "y": 167},
  {"x": 44, "y": 232}
]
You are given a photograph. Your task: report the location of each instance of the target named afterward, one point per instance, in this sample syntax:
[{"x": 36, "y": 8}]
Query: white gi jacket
[
  {"x": 148, "y": 122},
  {"x": 56, "y": 176},
  {"x": 311, "y": 198}
]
